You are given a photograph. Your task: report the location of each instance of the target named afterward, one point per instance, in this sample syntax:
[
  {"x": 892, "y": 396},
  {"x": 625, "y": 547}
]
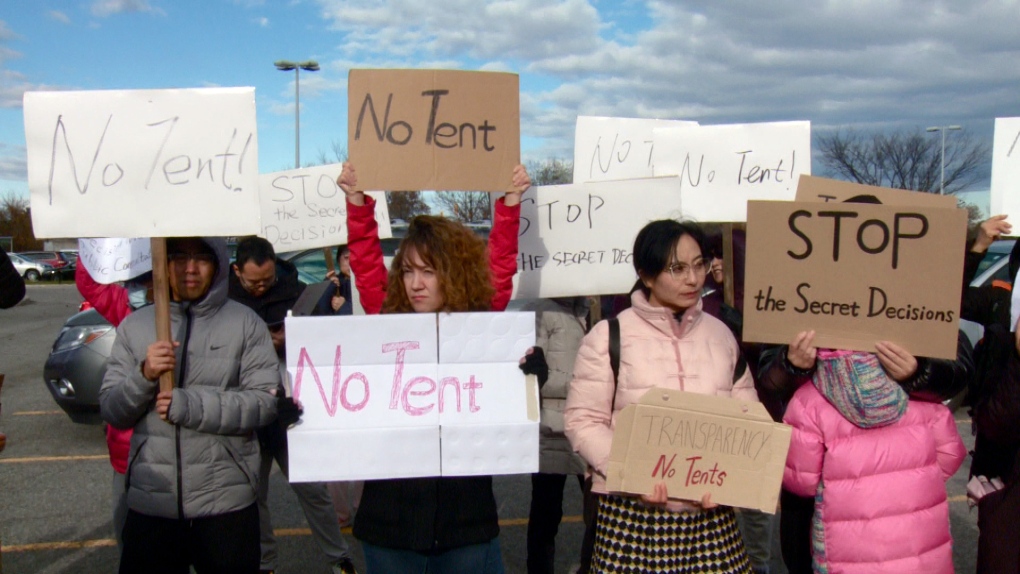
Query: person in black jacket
[{"x": 12, "y": 286}]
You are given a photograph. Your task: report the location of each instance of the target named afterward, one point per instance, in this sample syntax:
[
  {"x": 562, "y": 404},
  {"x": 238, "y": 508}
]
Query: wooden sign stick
[
  {"x": 328, "y": 253},
  {"x": 727, "y": 261},
  {"x": 161, "y": 298}
]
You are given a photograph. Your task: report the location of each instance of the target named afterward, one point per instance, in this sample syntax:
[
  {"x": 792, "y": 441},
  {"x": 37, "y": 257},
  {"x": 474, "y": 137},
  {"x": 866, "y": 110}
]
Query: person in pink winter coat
[
  {"x": 666, "y": 341},
  {"x": 876, "y": 464}
]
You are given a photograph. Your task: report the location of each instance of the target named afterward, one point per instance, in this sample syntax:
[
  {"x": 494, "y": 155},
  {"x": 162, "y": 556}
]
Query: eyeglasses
[
  {"x": 681, "y": 270},
  {"x": 260, "y": 284},
  {"x": 184, "y": 258}
]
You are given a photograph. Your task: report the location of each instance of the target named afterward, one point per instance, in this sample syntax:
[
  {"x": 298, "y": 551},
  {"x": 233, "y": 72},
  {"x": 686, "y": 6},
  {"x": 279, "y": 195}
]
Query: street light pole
[
  {"x": 286, "y": 66},
  {"x": 943, "y": 130}
]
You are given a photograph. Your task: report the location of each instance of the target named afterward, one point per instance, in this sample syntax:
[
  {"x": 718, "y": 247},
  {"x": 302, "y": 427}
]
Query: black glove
[
  {"x": 288, "y": 411},
  {"x": 534, "y": 364}
]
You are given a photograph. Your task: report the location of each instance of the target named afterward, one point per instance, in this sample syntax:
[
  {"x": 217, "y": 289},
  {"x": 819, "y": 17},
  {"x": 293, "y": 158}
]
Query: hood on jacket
[
  {"x": 858, "y": 387},
  {"x": 272, "y": 305},
  {"x": 217, "y": 294}
]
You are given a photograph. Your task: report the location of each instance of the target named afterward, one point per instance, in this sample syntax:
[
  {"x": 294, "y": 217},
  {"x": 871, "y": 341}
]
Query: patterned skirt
[{"x": 632, "y": 538}]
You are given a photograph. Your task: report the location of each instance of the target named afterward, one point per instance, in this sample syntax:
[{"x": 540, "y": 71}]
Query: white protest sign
[
  {"x": 615, "y": 148},
  {"x": 143, "y": 163},
  {"x": 1005, "y": 194},
  {"x": 305, "y": 208},
  {"x": 109, "y": 260},
  {"x": 385, "y": 396},
  {"x": 722, "y": 167},
  {"x": 577, "y": 239}
]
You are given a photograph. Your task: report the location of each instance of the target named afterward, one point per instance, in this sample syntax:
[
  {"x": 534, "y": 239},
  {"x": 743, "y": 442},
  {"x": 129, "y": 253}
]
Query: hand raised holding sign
[
  {"x": 897, "y": 361},
  {"x": 348, "y": 182},
  {"x": 660, "y": 496},
  {"x": 802, "y": 352},
  {"x": 990, "y": 229}
]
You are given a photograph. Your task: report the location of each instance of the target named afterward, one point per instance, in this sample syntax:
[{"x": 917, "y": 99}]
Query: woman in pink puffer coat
[{"x": 877, "y": 464}]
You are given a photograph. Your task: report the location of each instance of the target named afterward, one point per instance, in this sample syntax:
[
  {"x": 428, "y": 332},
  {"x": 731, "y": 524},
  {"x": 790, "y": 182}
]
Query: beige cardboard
[
  {"x": 811, "y": 188},
  {"x": 659, "y": 437},
  {"x": 842, "y": 290},
  {"x": 473, "y": 144}
]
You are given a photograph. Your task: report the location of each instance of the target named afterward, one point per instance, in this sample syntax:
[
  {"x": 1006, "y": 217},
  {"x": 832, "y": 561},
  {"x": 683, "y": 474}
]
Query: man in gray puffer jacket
[{"x": 193, "y": 467}]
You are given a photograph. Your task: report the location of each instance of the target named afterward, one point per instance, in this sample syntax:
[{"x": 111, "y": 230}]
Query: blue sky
[{"x": 882, "y": 64}]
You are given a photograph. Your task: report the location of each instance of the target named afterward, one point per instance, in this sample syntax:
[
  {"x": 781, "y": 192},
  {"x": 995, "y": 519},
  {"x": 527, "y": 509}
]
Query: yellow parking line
[
  {"x": 279, "y": 532},
  {"x": 35, "y": 413},
  {"x": 28, "y": 459}
]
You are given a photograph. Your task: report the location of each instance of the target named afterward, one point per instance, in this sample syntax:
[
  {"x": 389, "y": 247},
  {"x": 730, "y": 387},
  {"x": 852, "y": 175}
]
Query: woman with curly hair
[{"x": 432, "y": 524}]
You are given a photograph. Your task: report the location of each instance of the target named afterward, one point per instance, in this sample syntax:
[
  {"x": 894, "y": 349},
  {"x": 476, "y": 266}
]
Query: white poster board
[
  {"x": 615, "y": 148},
  {"x": 577, "y": 239},
  {"x": 305, "y": 208},
  {"x": 384, "y": 396},
  {"x": 143, "y": 163},
  {"x": 1005, "y": 194},
  {"x": 722, "y": 167},
  {"x": 113, "y": 259}
]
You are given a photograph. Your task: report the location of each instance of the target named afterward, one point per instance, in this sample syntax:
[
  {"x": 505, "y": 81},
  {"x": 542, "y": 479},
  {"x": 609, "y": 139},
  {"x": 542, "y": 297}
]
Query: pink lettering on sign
[{"x": 330, "y": 403}]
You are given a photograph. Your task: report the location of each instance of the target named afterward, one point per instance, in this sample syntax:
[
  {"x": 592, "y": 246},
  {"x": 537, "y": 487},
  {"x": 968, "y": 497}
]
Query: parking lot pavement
[{"x": 55, "y": 475}]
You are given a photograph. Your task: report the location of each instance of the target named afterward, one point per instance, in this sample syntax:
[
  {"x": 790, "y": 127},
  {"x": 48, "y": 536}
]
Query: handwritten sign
[
  {"x": 699, "y": 444},
  {"x": 856, "y": 274},
  {"x": 433, "y": 129},
  {"x": 811, "y": 188},
  {"x": 606, "y": 149},
  {"x": 577, "y": 239},
  {"x": 722, "y": 167},
  {"x": 143, "y": 163},
  {"x": 109, "y": 260},
  {"x": 1004, "y": 197},
  {"x": 385, "y": 397},
  {"x": 305, "y": 208}
]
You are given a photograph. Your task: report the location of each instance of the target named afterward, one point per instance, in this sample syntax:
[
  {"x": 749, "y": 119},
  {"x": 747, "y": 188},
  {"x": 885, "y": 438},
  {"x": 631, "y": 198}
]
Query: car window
[
  {"x": 311, "y": 265},
  {"x": 988, "y": 261}
]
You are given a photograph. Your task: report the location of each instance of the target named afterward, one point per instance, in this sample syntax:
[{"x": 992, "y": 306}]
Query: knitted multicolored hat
[{"x": 857, "y": 385}]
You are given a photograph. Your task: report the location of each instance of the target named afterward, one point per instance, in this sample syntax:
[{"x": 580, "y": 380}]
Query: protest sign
[
  {"x": 577, "y": 239},
  {"x": 433, "y": 129},
  {"x": 607, "y": 149},
  {"x": 109, "y": 260},
  {"x": 143, "y": 163},
  {"x": 305, "y": 208},
  {"x": 811, "y": 188},
  {"x": 1004, "y": 196},
  {"x": 384, "y": 396},
  {"x": 722, "y": 167},
  {"x": 699, "y": 444},
  {"x": 856, "y": 274}
]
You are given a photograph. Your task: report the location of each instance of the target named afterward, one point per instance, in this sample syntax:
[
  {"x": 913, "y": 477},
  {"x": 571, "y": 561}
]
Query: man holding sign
[{"x": 194, "y": 456}]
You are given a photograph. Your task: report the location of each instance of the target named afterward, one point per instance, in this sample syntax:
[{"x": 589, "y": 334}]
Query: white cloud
[
  {"x": 13, "y": 163},
  {"x": 59, "y": 16},
  {"x": 104, "y": 8},
  {"x": 263, "y": 22}
]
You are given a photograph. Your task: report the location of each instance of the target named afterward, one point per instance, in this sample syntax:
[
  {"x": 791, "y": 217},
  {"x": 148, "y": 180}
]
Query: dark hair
[
  {"x": 255, "y": 249},
  {"x": 655, "y": 246},
  {"x": 341, "y": 250}
]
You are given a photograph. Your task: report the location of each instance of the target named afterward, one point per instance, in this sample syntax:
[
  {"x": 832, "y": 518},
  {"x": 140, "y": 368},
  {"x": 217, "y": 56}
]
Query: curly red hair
[{"x": 460, "y": 260}]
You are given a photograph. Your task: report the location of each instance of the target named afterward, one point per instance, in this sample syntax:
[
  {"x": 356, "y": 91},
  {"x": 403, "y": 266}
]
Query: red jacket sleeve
[
  {"x": 111, "y": 301},
  {"x": 366, "y": 255},
  {"x": 503, "y": 252}
]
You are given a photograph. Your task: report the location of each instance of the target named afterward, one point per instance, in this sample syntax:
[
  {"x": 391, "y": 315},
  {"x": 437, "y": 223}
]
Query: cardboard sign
[
  {"x": 1004, "y": 197},
  {"x": 442, "y": 130},
  {"x": 607, "y": 149},
  {"x": 722, "y": 167},
  {"x": 143, "y": 163},
  {"x": 385, "y": 397},
  {"x": 109, "y": 260},
  {"x": 811, "y": 188},
  {"x": 577, "y": 239},
  {"x": 305, "y": 208},
  {"x": 699, "y": 444},
  {"x": 856, "y": 274}
]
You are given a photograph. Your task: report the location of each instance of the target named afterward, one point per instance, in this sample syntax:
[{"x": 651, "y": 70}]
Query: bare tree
[
  {"x": 552, "y": 171},
  {"x": 337, "y": 154},
  {"x": 904, "y": 159},
  {"x": 16, "y": 222},
  {"x": 406, "y": 204},
  {"x": 466, "y": 206}
]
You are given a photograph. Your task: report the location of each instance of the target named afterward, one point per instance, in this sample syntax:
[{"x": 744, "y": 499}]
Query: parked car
[
  {"x": 74, "y": 370},
  {"x": 30, "y": 269},
  {"x": 56, "y": 259}
]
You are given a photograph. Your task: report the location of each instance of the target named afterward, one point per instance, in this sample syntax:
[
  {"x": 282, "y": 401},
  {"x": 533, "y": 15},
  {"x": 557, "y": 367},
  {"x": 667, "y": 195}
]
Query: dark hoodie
[{"x": 273, "y": 305}]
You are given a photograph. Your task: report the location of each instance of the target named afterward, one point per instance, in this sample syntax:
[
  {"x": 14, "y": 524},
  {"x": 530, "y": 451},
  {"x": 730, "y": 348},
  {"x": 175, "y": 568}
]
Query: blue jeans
[{"x": 484, "y": 558}]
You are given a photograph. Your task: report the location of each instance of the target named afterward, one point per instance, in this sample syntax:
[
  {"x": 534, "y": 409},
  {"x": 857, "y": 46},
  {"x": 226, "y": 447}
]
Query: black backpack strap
[{"x": 614, "y": 354}]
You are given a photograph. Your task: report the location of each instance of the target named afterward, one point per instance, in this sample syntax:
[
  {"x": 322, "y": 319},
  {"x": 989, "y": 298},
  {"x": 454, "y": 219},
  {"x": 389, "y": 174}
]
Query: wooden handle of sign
[
  {"x": 727, "y": 250},
  {"x": 328, "y": 253},
  {"x": 161, "y": 299}
]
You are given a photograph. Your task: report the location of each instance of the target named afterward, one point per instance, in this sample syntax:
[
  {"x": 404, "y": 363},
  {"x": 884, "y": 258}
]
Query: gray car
[
  {"x": 74, "y": 370},
  {"x": 31, "y": 269}
]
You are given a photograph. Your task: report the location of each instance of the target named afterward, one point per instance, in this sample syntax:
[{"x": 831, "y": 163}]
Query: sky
[{"x": 865, "y": 64}]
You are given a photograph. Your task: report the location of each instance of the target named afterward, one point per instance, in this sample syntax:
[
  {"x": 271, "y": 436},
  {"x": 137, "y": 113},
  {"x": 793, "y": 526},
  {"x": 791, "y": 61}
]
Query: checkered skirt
[{"x": 633, "y": 538}]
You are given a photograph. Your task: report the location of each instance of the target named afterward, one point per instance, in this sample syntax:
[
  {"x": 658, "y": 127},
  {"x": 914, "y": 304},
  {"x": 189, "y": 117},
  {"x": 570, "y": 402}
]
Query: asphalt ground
[{"x": 55, "y": 475}]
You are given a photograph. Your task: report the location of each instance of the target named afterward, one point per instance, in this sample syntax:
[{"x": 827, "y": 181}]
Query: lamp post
[
  {"x": 286, "y": 66},
  {"x": 943, "y": 130}
]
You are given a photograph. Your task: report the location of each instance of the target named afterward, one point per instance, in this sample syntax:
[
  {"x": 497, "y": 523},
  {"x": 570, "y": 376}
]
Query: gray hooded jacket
[{"x": 206, "y": 463}]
